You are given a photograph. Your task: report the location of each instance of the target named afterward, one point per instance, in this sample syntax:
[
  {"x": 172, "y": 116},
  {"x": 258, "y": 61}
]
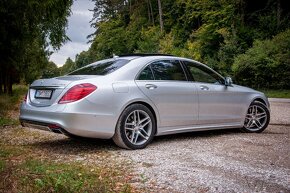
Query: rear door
[
  {"x": 165, "y": 84},
  {"x": 218, "y": 104}
]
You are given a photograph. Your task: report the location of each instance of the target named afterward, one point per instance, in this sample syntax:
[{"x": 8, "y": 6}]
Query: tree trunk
[
  {"x": 151, "y": 11},
  {"x": 4, "y": 75},
  {"x": 160, "y": 16},
  {"x": 278, "y": 13},
  {"x": 1, "y": 81},
  {"x": 148, "y": 11},
  {"x": 130, "y": 7},
  {"x": 9, "y": 86}
]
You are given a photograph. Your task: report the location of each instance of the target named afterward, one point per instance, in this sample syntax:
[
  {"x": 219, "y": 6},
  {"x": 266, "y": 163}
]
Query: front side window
[
  {"x": 102, "y": 68},
  {"x": 168, "y": 70},
  {"x": 203, "y": 74}
]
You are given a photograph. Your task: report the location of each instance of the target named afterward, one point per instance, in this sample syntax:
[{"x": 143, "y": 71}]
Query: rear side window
[
  {"x": 101, "y": 68},
  {"x": 146, "y": 74},
  {"x": 168, "y": 70}
]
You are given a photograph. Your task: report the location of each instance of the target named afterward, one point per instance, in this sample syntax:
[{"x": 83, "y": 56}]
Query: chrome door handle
[
  {"x": 150, "y": 86},
  {"x": 204, "y": 87}
]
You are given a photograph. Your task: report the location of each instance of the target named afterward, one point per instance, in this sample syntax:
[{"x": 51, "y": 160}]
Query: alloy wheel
[
  {"x": 256, "y": 118},
  {"x": 138, "y": 127}
]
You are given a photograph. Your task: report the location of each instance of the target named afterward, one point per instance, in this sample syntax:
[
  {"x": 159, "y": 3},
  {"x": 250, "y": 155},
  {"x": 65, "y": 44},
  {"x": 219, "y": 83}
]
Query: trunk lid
[{"x": 44, "y": 92}]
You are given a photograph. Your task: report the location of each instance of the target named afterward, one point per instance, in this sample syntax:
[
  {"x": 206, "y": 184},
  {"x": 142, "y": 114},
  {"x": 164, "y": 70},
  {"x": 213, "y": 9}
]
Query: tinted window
[
  {"x": 168, "y": 70},
  {"x": 203, "y": 74},
  {"x": 146, "y": 74},
  {"x": 101, "y": 68}
]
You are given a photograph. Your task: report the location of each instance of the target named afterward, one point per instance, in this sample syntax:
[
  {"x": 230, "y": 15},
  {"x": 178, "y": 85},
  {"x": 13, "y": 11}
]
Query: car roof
[
  {"x": 144, "y": 54},
  {"x": 138, "y": 55}
]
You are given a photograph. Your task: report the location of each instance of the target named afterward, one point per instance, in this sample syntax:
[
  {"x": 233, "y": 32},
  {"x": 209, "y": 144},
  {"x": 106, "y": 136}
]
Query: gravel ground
[
  {"x": 219, "y": 161},
  {"x": 280, "y": 111},
  {"x": 212, "y": 161}
]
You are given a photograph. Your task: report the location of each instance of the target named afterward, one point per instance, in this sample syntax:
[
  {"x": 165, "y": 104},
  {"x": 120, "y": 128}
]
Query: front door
[{"x": 218, "y": 104}]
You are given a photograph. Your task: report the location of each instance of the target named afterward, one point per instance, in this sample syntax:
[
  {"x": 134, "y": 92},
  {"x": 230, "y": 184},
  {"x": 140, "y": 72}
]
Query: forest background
[{"x": 248, "y": 40}]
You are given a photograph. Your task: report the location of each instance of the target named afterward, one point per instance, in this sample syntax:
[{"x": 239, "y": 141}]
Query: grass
[
  {"x": 23, "y": 168},
  {"x": 11, "y": 103},
  {"x": 39, "y": 176},
  {"x": 277, "y": 93},
  {"x": 21, "y": 171}
]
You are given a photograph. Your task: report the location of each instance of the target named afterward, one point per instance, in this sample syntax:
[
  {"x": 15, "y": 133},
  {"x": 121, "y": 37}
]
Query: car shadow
[
  {"x": 71, "y": 146},
  {"x": 76, "y": 146}
]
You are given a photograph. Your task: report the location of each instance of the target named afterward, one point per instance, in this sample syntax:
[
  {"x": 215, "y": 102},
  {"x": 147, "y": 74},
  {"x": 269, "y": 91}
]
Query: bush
[{"x": 266, "y": 64}]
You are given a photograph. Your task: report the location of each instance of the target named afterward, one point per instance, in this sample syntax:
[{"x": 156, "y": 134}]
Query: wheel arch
[
  {"x": 261, "y": 101},
  {"x": 149, "y": 107},
  {"x": 254, "y": 98}
]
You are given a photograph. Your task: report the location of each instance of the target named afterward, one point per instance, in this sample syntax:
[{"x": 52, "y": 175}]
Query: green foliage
[
  {"x": 28, "y": 28},
  {"x": 84, "y": 58},
  {"x": 10, "y": 103},
  {"x": 266, "y": 64},
  {"x": 69, "y": 66},
  {"x": 2, "y": 165},
  {"x": 217, "y": 33},
  {"x": 276, "y": 93},
  {"x": 48, "y": 175},
  {"x": 50, "y": 71},
  {"x": 45, "y": 176},
  {"x": 213, "y": 32}
]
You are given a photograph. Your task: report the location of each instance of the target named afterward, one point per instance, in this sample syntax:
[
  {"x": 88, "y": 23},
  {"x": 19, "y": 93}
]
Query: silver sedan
[{"x": 136, "y": 97}]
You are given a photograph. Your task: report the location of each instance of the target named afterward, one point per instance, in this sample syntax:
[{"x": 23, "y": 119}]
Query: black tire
[
  {"x": 122, "y": 135},
  {"x": 251, "y": 119}
]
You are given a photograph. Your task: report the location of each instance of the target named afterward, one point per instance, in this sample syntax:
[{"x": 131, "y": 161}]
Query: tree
[
  {"x": 266, "y": 64},
  {"x": 28, "y": 26},
  {"x": 50, "y": 71},
  {"x": 68, "y": 66},
  {"x": 213, "y": 32},
  {"x": 160, "y": 16}
]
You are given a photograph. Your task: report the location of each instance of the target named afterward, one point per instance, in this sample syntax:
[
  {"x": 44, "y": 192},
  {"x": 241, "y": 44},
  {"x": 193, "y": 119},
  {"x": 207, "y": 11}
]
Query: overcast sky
[{"x": 78, "y": 30}]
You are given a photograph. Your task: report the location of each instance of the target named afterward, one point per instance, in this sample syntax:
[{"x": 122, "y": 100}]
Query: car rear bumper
[{"x": 80, "y": 124}]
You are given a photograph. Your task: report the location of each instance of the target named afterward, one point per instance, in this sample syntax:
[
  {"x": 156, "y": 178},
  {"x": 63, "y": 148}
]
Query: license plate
[{"x": 43, "y": 94}]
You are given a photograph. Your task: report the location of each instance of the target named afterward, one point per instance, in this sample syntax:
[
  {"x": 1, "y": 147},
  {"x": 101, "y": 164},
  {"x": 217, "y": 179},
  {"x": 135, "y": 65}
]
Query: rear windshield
[{"x": 102, "y": 68}]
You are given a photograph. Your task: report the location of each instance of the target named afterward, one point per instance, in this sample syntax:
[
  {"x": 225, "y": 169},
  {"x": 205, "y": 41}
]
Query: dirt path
[
  {"x": 220, "y": 161},
  {"x": 215, "y": 161}
]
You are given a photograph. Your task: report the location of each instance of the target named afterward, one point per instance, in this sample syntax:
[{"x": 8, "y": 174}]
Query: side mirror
[{"x": 228, "y": 81}]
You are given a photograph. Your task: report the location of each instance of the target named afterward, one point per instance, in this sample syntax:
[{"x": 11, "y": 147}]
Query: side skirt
[{"x": 180, "y": 129}]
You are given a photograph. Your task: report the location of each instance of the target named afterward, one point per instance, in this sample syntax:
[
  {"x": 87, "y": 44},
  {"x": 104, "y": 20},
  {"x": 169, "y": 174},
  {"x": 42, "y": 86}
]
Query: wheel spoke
[
  {"x": 145, "y": 137},
  {"x": 146, "y": 123},
  {"x": 258, "y": 124},
  {"x": 136, "y": 137},
  {"x": 130, "y": 129},
  {"x": 129, "y": 124},
  {"x": 252, "y": 124},
  {"x": 135, "y": 117},
  {"x": 138, "y": 117},
  {"x": 132, "y": 137},
  {"x": 145, "y": 119},
  {"x": 248, "y": 116},
  {"x": 253, "y": 110},
  {"x": 249, "y": 123},
  {"x": 143, "y": 130},
  {"x": 261, "y": 115}
]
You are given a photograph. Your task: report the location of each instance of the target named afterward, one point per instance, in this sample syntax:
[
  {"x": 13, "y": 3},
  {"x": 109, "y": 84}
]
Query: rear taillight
[
  {"x": 25, "y": 98},
  {"x": 77, "y": 92}
]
